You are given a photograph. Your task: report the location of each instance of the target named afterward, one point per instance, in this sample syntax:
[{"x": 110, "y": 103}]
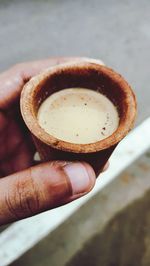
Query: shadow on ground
[{"x": 124, "y": 241}]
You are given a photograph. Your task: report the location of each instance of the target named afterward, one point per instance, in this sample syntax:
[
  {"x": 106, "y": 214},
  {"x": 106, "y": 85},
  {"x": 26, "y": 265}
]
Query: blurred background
[{"x": 118, "y": 33}]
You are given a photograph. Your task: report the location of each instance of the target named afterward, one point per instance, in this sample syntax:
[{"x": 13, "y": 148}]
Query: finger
[
  {"x": 105, "y": 167},
  {"x": 43, "y": 187},
  {"x": 17, "y": 142},
  {"x": 3, "y": 122},
  {"x": 12, "y": 80},
  {"x": 20, "y": 160}
]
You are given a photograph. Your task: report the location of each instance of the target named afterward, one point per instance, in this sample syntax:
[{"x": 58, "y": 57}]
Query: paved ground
[{"x": 116, "y": 31}]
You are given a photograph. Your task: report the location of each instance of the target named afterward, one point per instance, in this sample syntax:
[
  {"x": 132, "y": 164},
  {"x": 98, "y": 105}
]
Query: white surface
[{"x": 21, "y": 236}]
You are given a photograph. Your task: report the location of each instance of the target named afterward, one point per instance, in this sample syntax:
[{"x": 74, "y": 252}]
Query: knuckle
[
  {"x": 24, "y": 201},
  {"x": 18, "y": 66},
  {"x": 15, "y": 67},
  {"x": 57, "y": 164}
]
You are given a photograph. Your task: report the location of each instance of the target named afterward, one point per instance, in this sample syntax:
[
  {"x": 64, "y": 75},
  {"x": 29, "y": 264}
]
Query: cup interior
[{"x": 86, "y": 75}]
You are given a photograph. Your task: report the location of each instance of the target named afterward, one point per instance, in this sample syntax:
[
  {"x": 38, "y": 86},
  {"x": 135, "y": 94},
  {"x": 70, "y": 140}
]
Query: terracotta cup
[{"x": 86, "y": 75}]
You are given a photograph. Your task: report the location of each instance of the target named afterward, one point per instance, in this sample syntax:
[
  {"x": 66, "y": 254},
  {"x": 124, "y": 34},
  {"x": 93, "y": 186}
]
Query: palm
[{"x": 17, "y": 149}]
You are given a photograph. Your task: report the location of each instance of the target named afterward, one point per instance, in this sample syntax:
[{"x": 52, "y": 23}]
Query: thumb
[{"x": 43, "y": 187}]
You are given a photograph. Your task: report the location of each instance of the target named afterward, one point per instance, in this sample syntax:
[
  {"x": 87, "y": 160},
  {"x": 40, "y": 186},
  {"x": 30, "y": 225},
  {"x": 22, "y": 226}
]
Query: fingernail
[{"x": 82, "y": 177}]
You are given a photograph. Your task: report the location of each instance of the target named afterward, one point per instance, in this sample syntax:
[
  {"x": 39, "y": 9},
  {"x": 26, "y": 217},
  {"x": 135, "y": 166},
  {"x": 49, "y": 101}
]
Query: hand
[{"x": 24, "y": 193}]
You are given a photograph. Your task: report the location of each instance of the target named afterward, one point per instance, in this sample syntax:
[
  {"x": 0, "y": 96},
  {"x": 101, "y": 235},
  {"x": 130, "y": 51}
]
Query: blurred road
[{"x": 118, "y": 32}]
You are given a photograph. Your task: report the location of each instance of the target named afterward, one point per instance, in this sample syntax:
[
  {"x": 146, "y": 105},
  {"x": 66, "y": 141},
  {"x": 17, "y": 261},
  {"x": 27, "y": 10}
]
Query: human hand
[{"x": 25, "y": 189}]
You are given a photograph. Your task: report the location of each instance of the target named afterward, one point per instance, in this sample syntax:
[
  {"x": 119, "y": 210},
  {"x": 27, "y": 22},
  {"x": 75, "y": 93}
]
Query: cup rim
[{"x": 33, "y": 125}]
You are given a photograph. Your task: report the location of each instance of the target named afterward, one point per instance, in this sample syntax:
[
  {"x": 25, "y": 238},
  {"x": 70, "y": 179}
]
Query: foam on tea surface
[{"x": 78, "y": 115}]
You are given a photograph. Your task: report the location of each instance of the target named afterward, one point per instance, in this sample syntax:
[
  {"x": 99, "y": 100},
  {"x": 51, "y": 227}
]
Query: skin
[{"x": 26, "y": 188}]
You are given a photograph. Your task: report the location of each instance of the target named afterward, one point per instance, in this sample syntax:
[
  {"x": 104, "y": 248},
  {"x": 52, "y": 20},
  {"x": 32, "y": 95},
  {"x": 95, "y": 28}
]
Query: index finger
[{"x": 12, "y": 80}]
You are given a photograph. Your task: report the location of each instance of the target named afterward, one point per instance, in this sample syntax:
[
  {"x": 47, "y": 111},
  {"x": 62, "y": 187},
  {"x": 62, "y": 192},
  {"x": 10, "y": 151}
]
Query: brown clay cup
[{"x": 86, "y": 75}]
